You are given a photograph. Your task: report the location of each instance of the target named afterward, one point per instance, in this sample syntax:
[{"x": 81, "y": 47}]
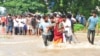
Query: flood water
[{"x": 33, "y": 46}]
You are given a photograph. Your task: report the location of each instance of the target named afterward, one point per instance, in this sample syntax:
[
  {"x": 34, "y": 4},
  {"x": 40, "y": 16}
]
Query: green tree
[
  {"x": 75, "y": 6},
  {"x": 21, "y": 6}
]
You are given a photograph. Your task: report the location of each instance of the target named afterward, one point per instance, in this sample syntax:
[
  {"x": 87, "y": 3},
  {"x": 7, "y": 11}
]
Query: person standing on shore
[
  {"x": 9, "y": 24},
  {"x": 3, "y": 22},
  {"x": 92, "y": 22},
  {"x": 15, "y": 21}
]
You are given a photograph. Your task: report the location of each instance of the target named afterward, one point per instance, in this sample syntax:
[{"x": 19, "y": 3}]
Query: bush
[
  {"x": 78, "y": 27},
  {"x": 99, "y": 26}
]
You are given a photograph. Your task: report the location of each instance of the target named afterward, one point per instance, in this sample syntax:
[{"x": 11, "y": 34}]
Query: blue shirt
[
  {"x": 92, "y": 22},
  {"x": 44, "y": 26}
]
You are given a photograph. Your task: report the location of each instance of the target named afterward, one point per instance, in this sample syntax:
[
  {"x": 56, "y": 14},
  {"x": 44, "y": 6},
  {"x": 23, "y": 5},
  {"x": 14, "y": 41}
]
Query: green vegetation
[
  {"x": 78, "y": 27},
  {"x": 75, "y": 6},
  {"x": 21, "y": 6}
]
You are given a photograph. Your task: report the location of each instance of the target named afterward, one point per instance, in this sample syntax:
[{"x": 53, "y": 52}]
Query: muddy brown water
[{"x": 33, "y": 46}]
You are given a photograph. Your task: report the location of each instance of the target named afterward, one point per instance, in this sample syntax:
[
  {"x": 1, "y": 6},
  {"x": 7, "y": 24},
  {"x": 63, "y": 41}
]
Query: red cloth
[
  {"x": 60, "y": 20},
  {"x": 57, "y": 33},
  {"x": 3, "y": 19}
]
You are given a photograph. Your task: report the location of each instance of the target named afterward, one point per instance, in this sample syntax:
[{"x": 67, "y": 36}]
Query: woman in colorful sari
[{"x": 58, "y": 32}]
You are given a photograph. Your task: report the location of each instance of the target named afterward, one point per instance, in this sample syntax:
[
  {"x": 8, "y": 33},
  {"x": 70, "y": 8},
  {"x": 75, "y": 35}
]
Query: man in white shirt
[
  {"x": 67, "y": 35},
  {"x": 25, "y": 25},
  {"x": 21, "y": 25},
  {"x": 15, "y": 21}
]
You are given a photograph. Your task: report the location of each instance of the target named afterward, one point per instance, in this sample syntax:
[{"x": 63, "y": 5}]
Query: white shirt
[
  {"x": 24, "y": 20},
  {"x": 67, "y": 26},
  {"x": 21, "y": 22},
  {"x": 15, "y": 22},
  {"x": 41, "y": 20},
  {"x": 73, "y": 19}
]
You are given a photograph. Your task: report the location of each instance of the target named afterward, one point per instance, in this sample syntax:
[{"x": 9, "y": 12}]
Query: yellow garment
[{"x": 57, "y": 41}]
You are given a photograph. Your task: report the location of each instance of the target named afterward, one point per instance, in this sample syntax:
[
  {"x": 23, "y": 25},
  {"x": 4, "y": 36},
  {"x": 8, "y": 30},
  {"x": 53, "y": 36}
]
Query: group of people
[
  {"x": 56, "y": 28},
  {"x": 20, "y": 24},
  {"x": 60, "y": 28}
]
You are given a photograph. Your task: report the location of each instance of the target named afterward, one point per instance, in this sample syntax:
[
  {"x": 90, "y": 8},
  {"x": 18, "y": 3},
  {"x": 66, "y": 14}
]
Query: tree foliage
[
  {"x": 75, "y": 6},
  {"x": 21, "y": 6}
]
